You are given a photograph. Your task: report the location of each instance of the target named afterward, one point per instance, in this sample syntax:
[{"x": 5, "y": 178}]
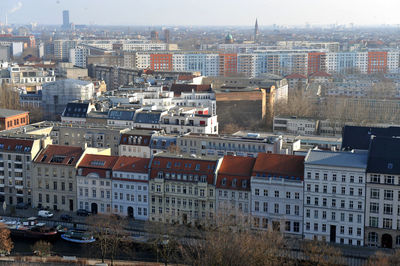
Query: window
[
  {"x": 373, "y": 221},
  {"x": 374, "y": 207},
  {"x": 287, "y": 226},
  {"x": 373, "y": 237},
  {"x": 276, "y": 208},
  {"x": 388, "y": 194},
  {"x": 265, "y": 193},
  {"x": 265, "y": 206},
  {"x": 387, "y": 223},
  {"x": 374, "y": 193},
  {"x": 288, "y": 195},
  {"x": 256, "y": 206},
  {"x": 287, "y": 209},
  {"x": 296, "y": 210},
  {"x": 276, "y": 194},
  {"x": 389, "y": 179},
  {"x": 388, "y": 209},
  {"x": 296, "y": 227},
  {"x": 375, "y": 178},
  {"x": 257, "y": 192}
]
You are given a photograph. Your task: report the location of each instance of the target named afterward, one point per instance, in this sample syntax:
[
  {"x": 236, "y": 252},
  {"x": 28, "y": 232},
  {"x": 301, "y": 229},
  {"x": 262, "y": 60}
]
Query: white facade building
[
  {"x": 277, "y": 193},
  {"x": 130, "y": 187},
  {"x": 334, "y": 196}
]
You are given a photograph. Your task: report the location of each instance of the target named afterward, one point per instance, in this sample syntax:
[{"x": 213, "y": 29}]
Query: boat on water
[
  {"x": 30, "y": 228},
  {"x": 61, "y": 229},
  {"x": 80, "y": 237}
]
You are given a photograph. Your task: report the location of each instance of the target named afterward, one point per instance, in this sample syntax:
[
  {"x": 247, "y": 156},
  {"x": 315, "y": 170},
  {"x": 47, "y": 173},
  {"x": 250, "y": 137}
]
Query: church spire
[{"x": 256, "y": 32}]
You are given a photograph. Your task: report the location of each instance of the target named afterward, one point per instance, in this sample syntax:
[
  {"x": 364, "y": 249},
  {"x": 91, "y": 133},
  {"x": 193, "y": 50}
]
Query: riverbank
[{"x": 67, "y": 260}]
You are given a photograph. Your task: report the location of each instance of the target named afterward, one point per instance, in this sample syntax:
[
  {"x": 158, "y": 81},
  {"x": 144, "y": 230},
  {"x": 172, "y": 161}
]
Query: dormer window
[
  {"x": 169, "y": 164},
  {"x": 224, "y": 181},
  {"x": 234, "y": 181},
  {"x": 160, "y": 175},
  {"x": 197, "y": 167},
  {"x": 244, "y": 183}
]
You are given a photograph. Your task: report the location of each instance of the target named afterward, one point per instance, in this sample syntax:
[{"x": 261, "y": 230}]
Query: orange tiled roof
[
  {"x": 132, "y": 164},
  {"x": 98, "y": 161},
  {"x": 59, "y": 154},
  {"x": 279, "y": 165}
]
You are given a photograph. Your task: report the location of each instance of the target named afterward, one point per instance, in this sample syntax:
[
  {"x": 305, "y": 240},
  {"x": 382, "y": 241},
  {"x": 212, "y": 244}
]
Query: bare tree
[
  {"x": 321, "y": 253},
  {"x": 165, "y": 240},
  {"x": 231, "y": 241},
  {"x": 9, "y": 98},
  {"x": 42, "y": 248},
  {"x": 383, "y": 259},
  {"x": 109, "y": 233},
  {"x": 6, "y": 244}
]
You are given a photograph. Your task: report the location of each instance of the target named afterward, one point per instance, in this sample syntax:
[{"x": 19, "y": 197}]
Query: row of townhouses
[{"x": 348, "y": 197}]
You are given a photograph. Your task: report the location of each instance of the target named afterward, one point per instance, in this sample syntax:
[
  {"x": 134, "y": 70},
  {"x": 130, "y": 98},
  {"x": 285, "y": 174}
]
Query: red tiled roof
[
  {"x": 59, "y": 154},
  {"x": 279, "y": 165},
  {"x": 320, "y": 74},
  {"x": 235, "y": 173},
  {"x": 184, "y": 166},
  {"x": 98, "y": 161},
  {"x": 18, "y": 145},
  {"x": 186, "y": 77},
  {"x": 145, "y": 140},
  {"x": 132, "y": 164},
  {"x": 237, "y": 165},
  {"x": 295, "y": 76}
]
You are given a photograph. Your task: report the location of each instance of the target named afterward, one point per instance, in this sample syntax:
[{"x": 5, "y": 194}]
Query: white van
[{"x": 45, "y": 214}]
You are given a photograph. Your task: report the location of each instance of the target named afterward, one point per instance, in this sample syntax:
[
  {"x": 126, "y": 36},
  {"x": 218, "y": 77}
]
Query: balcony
[{"x": 19, "y": 187}]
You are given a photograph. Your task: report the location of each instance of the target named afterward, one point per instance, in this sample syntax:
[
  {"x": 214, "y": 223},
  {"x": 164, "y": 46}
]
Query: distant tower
[
  {"x": 256, "y": 32},
  {"x": 154, "y": 36},
  {"x": 166, "y": 35},
  {"x": 65, "y": 19}
]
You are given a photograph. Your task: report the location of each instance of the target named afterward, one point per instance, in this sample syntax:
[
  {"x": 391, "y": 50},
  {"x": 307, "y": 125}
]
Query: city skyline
[{"x": 176, "y": 12}]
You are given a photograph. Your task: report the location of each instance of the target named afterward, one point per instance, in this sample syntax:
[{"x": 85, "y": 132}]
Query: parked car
[
  {"x": 45, "y": 214},
  {"x": 66, "y": 218},
  {"x": 22, "y": 205},
  {"x": 82, "y": 212}
]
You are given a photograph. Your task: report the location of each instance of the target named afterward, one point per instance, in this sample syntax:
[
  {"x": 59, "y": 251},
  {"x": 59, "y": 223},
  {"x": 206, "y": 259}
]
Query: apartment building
[
  {"x": 13, "y": 118},
  {"x": 121, "y": 117},
  {"x": 86, "y": 135},
  {"x": 219, "y": 146},
  {"x": 182, "y": 189},
  {"x": 94, "y": 183},
  {"x": 54, "y": 177},
  {"x": 334, "y": 196},
  {"x": 130, "y": 187},
  {"x": 185, "y": 120},
  {"x": 136, "y": 143},
  {"x": 295, "y": 125},
  {"x": 233, "y": 185},
  {"x": 277, "y": 193},
  {"x": 382, "y": 211},
  {"x": 16, "y": 176}
]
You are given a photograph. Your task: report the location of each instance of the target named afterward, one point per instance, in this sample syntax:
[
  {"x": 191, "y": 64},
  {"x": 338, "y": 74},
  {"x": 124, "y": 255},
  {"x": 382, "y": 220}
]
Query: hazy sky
[{"x": 203, "y": 12}]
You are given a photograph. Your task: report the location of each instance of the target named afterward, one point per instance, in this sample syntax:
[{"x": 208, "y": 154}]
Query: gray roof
[
  {"x": 7, "y": 112},
  {"x": 337, "y": 159}
]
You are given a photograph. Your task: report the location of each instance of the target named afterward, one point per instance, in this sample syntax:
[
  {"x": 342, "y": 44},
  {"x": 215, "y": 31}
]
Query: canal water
[{"x": 60, "y": 247}]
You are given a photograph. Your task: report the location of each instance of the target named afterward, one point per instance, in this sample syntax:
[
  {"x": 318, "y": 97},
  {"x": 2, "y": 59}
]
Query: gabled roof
[
  {"x": 98, "y": 161},
  {"x": 60, "y": 155},
  {"x": 337, "y": 159},
  {"x": 384, "y": 156},
  {"x": 132, "y": 164},
  {"x": 237, "y": 165},
  {"x": 279, "y": 165},
  {"x": 4, "y": 113},
  {"x": 356, "y": 137},
  {"x": 320, "y": 74},
  {"x": 190, "y": 167},
  {"x": 148, "y": 117},
  {"x": 118, "y": 114},
  {"x": 15, "y": 145},
  {"x": 235, "y": 173},
  {"x": 76, "y": 110},
  {"x": 296, "y": 76}
]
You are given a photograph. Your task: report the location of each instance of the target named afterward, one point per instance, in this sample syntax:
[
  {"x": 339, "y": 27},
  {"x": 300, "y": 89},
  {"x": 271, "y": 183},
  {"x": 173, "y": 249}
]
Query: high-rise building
[
  {"x": 65, "y": 19},
  {"x": 166, "y": 35},
  {"x": 154, "y": 36}
]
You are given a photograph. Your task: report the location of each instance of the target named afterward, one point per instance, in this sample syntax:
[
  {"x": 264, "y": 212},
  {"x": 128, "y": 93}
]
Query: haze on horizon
[{"x": 203, "y": 12}]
